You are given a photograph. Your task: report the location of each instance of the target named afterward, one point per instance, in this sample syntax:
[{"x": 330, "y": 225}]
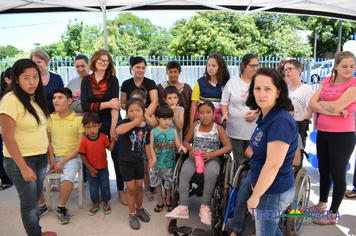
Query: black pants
[
  {"x": 3, "y": 176},
  {"x": 334, "y": 152}
]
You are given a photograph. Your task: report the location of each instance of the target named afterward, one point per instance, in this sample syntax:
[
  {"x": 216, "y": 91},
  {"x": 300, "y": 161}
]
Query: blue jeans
[
  {"x": 240, "y": 211},
  {"x": 29, "y": 191},
  {"x": 105, "y": 128},
  {"x": 275, "y": 203},
  {"x": 101, "y": 181}
]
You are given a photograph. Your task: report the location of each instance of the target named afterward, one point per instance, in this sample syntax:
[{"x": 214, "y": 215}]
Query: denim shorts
[{"x": 70, "y": 168}]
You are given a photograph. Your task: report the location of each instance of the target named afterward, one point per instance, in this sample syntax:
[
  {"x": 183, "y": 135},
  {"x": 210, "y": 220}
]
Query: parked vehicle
[{"x": 319, "y": 71}]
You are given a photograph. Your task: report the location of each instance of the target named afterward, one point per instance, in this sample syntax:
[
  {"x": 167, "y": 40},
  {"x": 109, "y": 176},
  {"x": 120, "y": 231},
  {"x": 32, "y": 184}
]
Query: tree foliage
[
  {"x": 327, "y": 30},
  {"x": 8, "y": 51}
]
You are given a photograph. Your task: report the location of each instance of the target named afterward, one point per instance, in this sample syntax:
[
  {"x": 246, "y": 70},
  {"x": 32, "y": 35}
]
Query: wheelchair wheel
[
  {"x": 217, "y": 213},
  {"x": 302, "y": 195},
  {"x": 226, "y": 192},
  {"x": 175, "y": 188}
]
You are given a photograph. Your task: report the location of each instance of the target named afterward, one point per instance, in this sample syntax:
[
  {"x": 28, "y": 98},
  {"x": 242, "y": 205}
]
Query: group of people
[{"x": 50, "y": 128}]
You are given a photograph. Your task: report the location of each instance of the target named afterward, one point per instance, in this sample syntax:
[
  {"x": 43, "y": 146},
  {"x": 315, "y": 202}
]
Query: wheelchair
[
  {"x": 220, "y": 197},
  {"x": 301, "y": 196}
]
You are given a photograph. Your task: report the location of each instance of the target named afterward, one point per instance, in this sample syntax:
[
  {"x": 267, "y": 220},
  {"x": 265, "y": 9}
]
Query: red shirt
[{"x": 95, "y": 150}]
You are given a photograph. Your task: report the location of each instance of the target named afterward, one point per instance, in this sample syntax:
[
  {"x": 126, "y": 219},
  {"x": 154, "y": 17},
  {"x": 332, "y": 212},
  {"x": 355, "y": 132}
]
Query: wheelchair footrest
[
  {"x": 183, "y": 230},
  {"x": 201, "y": 232}
]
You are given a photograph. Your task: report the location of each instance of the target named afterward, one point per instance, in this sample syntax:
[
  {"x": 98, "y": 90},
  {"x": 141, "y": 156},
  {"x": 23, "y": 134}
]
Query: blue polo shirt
[{"x": 277, "y": 125}]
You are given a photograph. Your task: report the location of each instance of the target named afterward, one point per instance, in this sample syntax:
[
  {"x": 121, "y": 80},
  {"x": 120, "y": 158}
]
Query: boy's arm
[
  {"x": 151, "y": 156},
  {"x": 51, "y": 159},
  {"x": 179, "y": 121},
  {"x": 70, "y": 156},
  {"x": 178, "y": 143},
  {"x": 91, "y": 169},
  {"x": 112, "y": 146}
]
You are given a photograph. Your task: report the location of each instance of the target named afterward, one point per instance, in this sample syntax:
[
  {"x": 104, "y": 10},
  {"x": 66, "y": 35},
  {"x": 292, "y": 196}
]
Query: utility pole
[
  {"x": 338, "y": 49},
  {"x": 315, "y": 40}
]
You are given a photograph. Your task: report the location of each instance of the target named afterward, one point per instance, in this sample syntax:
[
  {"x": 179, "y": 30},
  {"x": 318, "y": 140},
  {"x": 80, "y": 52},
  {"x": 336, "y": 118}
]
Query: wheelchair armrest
[{"x": 244, "y": 161}]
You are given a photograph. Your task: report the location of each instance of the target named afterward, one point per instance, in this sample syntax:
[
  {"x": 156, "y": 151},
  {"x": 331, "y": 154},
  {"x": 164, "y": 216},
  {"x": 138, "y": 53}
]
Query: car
[{"x": 319, "y": 71}]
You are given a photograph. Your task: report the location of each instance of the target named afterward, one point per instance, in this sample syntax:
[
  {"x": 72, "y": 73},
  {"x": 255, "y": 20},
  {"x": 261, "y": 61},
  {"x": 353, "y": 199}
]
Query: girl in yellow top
[{"x": 25, "y": 113}]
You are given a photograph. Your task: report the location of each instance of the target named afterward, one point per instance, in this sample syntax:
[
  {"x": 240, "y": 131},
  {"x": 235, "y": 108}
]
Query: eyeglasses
[
  {"x": 253, "y": 66},
  {"x": 103, "y": 61},
  {"x": 289, "y": 69}
]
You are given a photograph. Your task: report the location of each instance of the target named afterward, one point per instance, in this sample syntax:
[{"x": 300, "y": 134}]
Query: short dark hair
[
  {"x": 283, "y": 100},
  {"x": 294, "y": 62},
  {"x": 174, "y": 64},
  {"x": 202, "y": 103},
  {"x": 170, "y": 90},
  {"x": 136, "y": 60},
  {"x": 91, "y": 117},
  {"x": 138, "y": 101},
  {"x": 164, "y": 112},
  {"x": 141, "y": 91},
  {"x": 66, "y": 91},
  {"x": 82, "y": 57}
]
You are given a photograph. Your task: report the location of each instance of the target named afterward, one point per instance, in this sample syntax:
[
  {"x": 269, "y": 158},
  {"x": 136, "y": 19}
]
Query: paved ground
[{"x": 117, "y": 222}]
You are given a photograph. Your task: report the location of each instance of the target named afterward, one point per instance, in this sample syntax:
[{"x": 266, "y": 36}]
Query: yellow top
[
  {"x": 65, "y": 133},
  {"x": 196, "y": 92},
  {"x": 30, "y": 137}
]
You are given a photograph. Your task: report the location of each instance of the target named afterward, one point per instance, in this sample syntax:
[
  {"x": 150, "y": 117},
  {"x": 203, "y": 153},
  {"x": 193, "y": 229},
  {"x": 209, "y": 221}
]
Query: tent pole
[
  {"x": 105, "y": 26},
  {"x": 338, "y": 49}
]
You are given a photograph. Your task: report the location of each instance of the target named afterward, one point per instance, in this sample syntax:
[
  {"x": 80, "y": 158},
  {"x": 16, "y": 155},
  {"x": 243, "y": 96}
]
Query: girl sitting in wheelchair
[{"x": 206, "y": 136}]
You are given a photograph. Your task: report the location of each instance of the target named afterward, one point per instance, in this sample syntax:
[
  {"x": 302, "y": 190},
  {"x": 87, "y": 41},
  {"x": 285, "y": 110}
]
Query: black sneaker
[
  {"x": 43, "y": 209},
  {"x": 135, "y": 225},
  {"x": 63, "y": 215},
  {"x": 143, "y": 215}
]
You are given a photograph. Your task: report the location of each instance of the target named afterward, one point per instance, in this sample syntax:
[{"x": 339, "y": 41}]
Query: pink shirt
[{"x": 336, "y": 123}]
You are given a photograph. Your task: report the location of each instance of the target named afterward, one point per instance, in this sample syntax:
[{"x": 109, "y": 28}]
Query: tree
[
  {"x": 8, "y": 51},
  {"x": 327, "y": 30},
  {"x": 215, "y": 31},
  {"x": 159, "y": 45},
  {"x": 134, "y": 26},
  {"x": 54, "y": 49}
]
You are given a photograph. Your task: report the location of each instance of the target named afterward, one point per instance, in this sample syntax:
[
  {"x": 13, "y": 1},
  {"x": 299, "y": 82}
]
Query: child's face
[
  {"x": 60, "y": 102},
  {"x": 92, "y": 129},
  {"x": 291, "y": 73},
  {"x": 164, "y": 122},
  {"x": 138, "y": 96},
  {"x": 29, "y": 80},
  {"x": 172, "y": 99},
  {"x": 212, "y": 67},
  {"x": 206, "y": 114},
  {"x": 134, "y": 111},
  {"x": 173, "y": 74}
]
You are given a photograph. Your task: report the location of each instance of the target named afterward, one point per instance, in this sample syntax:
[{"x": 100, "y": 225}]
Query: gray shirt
[{"x": 74, "y": 85}]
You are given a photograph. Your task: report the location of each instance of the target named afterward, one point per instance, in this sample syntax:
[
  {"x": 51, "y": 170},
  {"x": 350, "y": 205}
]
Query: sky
[{"x": 25, "y": 30}]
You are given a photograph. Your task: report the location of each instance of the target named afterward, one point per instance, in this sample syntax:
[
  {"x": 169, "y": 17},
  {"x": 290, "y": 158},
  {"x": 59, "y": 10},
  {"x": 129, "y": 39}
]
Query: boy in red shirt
[{"x": 92, "y": 151}]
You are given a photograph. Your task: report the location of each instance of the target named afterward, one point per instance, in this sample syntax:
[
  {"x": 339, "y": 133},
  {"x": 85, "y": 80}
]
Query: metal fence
[{"x": 314, "y": 71}]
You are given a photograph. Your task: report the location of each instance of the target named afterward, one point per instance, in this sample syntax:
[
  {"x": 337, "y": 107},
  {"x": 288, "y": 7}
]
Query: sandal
[
  {"x": 93, "y": 211},
  {"x": 158, "y": 208},
  {"x": 106, "y": 211},
  {"x": 169, "y": 207},
  {"x": 325, "y": 222},
  {"x": 149, "y": 196},
  {"x": 351, "y": 194},
  {"x": 316, "y": 208}
]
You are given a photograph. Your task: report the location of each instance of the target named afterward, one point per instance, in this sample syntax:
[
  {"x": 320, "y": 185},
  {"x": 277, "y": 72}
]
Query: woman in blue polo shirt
[{"x": 274, "y": 143}]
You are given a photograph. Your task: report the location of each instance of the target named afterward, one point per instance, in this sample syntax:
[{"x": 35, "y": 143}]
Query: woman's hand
[
  {"x": 207, "y": 155},
  {"x": 192, "y": 153},
  {"x": 28, "y": 174},
  {"x": 115, "y": 103},
  {"x": 343, "y": 113},
  {"x": 225, "y": 117},
  {"x": 113, "y": 135},
  {"x": 252, "y": 202},
  {"x": 251, "y": 116}
]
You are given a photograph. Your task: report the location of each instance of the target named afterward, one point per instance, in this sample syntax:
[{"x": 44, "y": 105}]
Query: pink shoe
[
  {"x": 205, "y": 215},
  {"x": 49, "y": 233},
  {"x": 180, "y": 212}
]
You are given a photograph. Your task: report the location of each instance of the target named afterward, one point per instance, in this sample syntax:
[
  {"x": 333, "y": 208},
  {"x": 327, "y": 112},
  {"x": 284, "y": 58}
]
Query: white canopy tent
[{"x": 342, "y": 9}]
